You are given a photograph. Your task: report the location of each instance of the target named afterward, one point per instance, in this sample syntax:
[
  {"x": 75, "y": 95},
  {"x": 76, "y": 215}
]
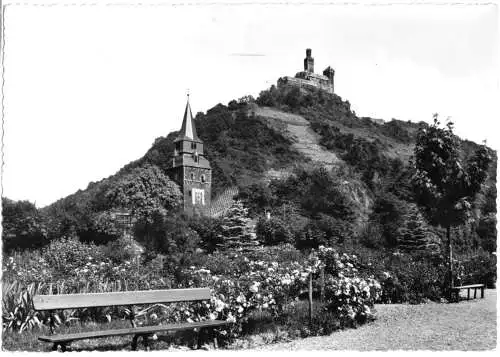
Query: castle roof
[{"x": 188, "y": 129}]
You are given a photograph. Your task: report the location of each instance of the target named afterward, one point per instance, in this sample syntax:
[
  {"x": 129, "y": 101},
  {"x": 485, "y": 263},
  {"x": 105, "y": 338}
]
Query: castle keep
[
  {"x": 190, "y": 169},
  {"x": 307, "y": 77}
]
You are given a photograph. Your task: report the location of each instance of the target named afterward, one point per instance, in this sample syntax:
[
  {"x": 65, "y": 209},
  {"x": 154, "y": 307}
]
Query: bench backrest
[
  {"x": 73, "y": 301},
  {"x": 469, "y": 286}
]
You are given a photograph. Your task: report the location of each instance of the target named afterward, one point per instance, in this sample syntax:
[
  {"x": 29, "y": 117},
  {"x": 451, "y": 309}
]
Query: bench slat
[
  {"x": 469, "y": 286},
  {"x": 131, "y": 331},
  {"x": 73, "y": 301}
]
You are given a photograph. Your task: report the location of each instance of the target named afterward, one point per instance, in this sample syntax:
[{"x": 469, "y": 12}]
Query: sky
[{"x": 87, "y": 89}]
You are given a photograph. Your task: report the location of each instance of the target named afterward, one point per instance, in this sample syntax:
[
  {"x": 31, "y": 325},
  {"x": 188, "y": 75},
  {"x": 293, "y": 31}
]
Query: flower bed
[{"x": 244, "y": 286}]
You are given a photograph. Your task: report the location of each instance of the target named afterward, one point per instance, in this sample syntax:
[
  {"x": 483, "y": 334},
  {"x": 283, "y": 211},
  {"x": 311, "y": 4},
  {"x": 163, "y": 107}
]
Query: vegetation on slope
[{"x": 310, "y": 207}]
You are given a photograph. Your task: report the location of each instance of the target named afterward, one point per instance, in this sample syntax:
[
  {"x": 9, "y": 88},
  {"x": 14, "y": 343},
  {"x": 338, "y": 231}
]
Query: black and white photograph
[{"x": 249, "y": 176}]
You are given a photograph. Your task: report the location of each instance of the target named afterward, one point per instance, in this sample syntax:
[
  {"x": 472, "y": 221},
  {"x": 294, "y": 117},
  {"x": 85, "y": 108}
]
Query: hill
[{"x": 261, "y": 148}]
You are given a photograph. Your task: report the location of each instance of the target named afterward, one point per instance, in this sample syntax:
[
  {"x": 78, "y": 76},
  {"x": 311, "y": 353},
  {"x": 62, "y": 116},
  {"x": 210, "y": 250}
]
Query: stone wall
[{"x": 299, "y": 82}]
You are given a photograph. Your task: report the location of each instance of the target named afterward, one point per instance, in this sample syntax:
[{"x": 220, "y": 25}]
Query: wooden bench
[
  {"x": 455, "y": 291},
  {"x": 129, "y": 299}
]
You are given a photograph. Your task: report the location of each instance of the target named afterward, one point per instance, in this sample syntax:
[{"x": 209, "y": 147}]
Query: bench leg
[
  {"x": 468, "y": 294},
  {"x": 134, "y": 343},
  {"x": 196, "y": 340},
  {"x": 216, "y": 343},
  {"x": 145, "y": 341},
  {"x": 475, "y": 292},
  {"x": 482, "y": 293},
  {"x": 61, "y": 347}
]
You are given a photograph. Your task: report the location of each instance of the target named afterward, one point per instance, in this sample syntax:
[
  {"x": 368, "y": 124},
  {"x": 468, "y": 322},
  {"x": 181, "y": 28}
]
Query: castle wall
[{"x": 311, "y": 83}]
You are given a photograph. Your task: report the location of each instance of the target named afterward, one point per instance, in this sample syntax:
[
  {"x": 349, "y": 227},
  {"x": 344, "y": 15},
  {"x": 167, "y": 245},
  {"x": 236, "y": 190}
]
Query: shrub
[
  {"x": 273, "y": 231},
  {"x": 408, "y": 279},
  {"x": 371, "y": 235},
  {"x": 122, "y": 250},
  {"x": 209, "y": 230},
  {"x": 479, "y": 269},
  {"x": 65, "y": 255},
  {"x": 172, "y": 237},
  {"x": 272, "y": 286}
]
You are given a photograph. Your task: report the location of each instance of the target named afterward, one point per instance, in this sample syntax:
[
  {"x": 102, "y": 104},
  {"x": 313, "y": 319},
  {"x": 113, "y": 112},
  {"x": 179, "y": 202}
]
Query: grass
[{"x": 468, "y": 325}]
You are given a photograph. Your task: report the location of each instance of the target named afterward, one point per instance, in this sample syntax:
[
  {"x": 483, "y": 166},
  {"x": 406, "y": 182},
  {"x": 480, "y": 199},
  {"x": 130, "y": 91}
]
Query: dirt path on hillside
[
  {"x": 468, "y": 325},
  {"x": 298, "y": 130}
]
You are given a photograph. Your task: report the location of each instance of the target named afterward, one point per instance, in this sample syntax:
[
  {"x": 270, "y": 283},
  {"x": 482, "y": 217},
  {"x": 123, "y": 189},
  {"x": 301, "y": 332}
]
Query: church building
[{"x": 190, "y": 168}]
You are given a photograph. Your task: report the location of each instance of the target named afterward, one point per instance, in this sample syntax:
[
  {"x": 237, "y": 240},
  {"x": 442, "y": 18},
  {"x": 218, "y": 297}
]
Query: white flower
[
  {"x": 219, "y": 305},
  {"x": 230, "y": 318},
  {"x": 286, "y": 282}
]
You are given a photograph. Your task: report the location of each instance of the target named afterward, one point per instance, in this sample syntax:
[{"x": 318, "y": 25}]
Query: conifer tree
[
  {"x": 237, "y": 231},
  {"x": 415, "y": 235}
]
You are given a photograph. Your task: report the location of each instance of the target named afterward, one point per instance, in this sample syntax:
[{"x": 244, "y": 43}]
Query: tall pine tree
[
  {"x": 238, "y": 233},
  {"x": 415, "y": 235}
]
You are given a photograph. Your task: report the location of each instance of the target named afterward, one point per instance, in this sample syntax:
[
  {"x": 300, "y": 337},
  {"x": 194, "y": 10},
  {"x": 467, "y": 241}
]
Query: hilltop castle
[
  {"x": 190, "y": 169},
  {"x": 307, "y": 77}
]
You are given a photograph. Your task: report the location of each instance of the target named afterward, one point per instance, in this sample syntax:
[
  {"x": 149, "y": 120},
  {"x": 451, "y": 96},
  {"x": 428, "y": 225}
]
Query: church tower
[{"x": 190, "y": 169}]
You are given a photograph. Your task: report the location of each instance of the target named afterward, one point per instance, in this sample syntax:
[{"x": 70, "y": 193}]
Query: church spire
[{"x": 188, "y": 129}]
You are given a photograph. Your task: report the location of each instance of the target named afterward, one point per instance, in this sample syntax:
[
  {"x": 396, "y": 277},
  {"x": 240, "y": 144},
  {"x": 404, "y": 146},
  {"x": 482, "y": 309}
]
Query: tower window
[
  {"x": 192, "y": 176},
  {"x": 178, "y": 146},
  {"x": 195, "y": 157},
  {"x": 202, "y": 178},
  {"x": 193, "y": 146}
]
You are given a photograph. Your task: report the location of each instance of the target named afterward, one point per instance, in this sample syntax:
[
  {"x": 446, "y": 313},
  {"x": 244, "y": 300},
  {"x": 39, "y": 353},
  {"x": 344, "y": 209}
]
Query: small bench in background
[
  {"x": 129, "y": 298},
  {"x": 455, "y": 291}
]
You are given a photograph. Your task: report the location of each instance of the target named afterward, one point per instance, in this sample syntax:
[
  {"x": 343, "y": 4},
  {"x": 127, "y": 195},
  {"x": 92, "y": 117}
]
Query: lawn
[{"x": 468, "y": 325}]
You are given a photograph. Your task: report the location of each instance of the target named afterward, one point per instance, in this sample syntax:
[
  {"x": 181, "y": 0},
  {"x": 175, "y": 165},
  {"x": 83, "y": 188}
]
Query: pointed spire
[{"x": 188, "y": 129}]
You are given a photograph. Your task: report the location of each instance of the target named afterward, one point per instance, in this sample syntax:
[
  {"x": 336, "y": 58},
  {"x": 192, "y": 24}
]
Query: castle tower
[
  {"x": 330, "y": 73},
  {"x": 308, "y": 62},
  {"x": 190, "y": 169}
]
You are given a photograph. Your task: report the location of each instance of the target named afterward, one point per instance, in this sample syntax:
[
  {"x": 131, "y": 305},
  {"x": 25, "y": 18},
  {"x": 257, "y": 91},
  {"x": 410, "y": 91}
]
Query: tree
[
  {"x": 172, "y": 237},
  {"x": 273, "y": 231},
  {"x": 237, "y": 233},
  {"x": 22, "y": 225},
  {"x": 415, "y": 235},
  {"x": 388, "y": 211},
  {"x": 142, "y": 190},
  {"x": 210, "y": 231},
  {"x": 316, "y": 191},
  {"x": 444, "y": 186},
  {"x": 145, "y": 192}
]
